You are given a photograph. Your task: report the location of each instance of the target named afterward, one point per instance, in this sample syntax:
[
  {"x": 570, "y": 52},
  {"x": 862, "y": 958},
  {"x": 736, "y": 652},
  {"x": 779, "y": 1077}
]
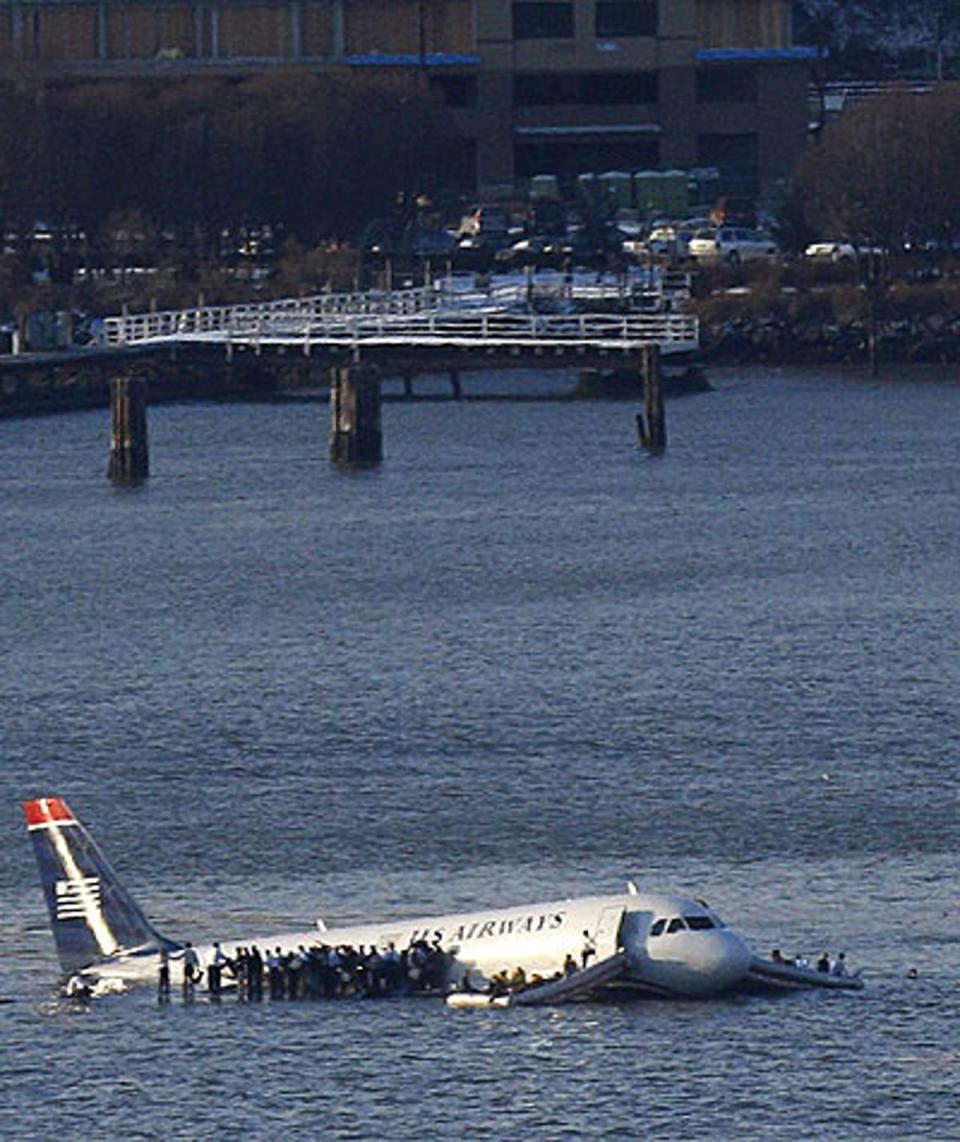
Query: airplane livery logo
[
  {"x": 75, "y": 897},
  {"x": 511, "y": 925}
]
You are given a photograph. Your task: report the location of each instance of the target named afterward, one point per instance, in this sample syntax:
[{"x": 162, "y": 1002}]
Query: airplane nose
[{"x": 733, "y": 957}]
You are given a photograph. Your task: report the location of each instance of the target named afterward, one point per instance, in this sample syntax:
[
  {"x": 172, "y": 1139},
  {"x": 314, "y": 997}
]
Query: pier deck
[{"x": 424, "y": 318}]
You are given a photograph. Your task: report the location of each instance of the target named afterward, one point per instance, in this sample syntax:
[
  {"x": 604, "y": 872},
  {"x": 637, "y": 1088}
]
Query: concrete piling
[{"x": 129, "y": 457}]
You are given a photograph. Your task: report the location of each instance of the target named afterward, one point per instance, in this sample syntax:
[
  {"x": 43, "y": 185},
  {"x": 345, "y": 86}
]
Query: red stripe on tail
[{"x": 47, "y": 810}]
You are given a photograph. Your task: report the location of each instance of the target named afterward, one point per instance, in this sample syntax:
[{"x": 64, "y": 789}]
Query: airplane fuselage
[{"x": 699, "y": 957}]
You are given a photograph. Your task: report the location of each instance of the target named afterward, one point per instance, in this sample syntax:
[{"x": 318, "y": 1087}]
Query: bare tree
[
  {"x": 885, "y": 173},
  {"x": 313, "y": 155},
  {"x": 886, "y": 176}
]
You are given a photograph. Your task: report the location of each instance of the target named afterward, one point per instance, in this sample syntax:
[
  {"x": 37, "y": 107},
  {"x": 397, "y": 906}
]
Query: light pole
[{"x": 422, "y": 39}]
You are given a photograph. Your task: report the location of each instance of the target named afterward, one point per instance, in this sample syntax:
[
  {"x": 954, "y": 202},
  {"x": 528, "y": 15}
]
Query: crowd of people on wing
[
  {"x": 323, "y": 971},
  {"x": 320, "y": 971},
  {"x": 836, "y": 967}
]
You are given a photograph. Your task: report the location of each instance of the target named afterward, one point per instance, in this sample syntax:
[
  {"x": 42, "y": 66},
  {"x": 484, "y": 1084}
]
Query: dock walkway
[{"x": 506, "y": 316}]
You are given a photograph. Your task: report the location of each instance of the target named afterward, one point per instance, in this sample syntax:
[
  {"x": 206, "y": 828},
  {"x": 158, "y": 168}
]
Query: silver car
[{"x": 732, "y": 245}]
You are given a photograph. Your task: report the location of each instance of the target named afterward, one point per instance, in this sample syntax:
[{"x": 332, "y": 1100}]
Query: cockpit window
[
  {"x": 699, "y": 923},
  {"x": 657, "y": 927},
  {"x": 676, "y": 925}
]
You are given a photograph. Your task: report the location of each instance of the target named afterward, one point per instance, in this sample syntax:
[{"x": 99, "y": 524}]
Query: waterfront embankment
[{"x": 917, "y": 323}]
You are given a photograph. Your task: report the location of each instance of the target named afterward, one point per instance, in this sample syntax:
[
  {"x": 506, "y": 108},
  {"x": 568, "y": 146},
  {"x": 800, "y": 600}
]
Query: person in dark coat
[{"x": 255, "y": 973}]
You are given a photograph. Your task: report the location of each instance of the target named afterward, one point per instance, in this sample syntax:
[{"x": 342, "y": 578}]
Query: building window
[
  {"x": 601, "y": 88},
  {"x": 544, "y": 90},
  {"x": 727, "y": 85},
  {"x": 542, "y": 21},
  {"x": 616, "y": 19},
  {"x": 455, "y": 90},
  {"x": 460, "y": 168},
  {"x": 614, "y": 87}
]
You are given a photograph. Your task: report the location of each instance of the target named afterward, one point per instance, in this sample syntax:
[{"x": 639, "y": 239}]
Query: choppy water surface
[{"x": 520, "y": 660}]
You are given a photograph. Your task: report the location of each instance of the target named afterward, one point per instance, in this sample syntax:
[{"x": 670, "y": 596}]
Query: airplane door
[{"x": 607, "y": 934}]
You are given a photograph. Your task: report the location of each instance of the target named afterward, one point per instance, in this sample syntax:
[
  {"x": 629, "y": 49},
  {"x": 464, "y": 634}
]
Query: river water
[{"x": 520, "y": 660}]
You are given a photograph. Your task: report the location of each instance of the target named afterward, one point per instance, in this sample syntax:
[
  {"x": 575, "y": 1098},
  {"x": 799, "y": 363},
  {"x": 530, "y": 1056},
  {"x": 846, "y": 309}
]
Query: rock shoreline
[{"x": 829, "y": 328}]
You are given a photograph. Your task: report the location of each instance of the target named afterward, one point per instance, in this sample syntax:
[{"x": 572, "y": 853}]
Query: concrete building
[{"x": 537, "y": 86}]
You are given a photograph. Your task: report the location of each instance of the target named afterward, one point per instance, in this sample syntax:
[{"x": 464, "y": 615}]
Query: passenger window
[
  {"x": 657, "y": 928},
  {"x": 698, "y": 923},
  {"x": 675, "y": 925}
]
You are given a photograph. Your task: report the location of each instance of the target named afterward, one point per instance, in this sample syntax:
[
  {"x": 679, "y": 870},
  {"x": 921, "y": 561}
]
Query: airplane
[{"x": 665, "y": 945}]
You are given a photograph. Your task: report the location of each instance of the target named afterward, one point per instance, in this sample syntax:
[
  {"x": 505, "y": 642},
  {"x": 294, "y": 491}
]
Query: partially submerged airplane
[{"x": 660, "y": 944}]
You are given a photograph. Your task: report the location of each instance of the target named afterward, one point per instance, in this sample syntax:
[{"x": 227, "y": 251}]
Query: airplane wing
[{"x": 765, "y": 975}]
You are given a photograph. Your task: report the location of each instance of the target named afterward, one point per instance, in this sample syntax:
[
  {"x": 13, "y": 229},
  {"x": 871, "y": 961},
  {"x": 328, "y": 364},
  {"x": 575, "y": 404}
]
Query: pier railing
[
  {"x": 497, "y": 317},
  {"x": 494, "y": 329},
  {"x": 164, "y": 325}
]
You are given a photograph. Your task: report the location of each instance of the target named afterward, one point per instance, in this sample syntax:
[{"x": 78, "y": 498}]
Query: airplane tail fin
[{"x": 92, "y": 915}]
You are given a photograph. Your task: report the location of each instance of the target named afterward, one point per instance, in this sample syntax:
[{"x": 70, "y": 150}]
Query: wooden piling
[
  {"x": 129, "y": 457},
  {"x": 455, "y": 387},
  {"x": 652, "y": 422},
  {"x": 873, "y": 328},
  {"x": 356, "y": 438}
]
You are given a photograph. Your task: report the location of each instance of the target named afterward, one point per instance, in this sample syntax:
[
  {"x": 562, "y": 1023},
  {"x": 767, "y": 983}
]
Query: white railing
[
  {"x": 456, "y": 328},
  {"x": 164, "y": 325},
  {"x": 649, "y": 289},
  {"x": 407, "y": 317}
]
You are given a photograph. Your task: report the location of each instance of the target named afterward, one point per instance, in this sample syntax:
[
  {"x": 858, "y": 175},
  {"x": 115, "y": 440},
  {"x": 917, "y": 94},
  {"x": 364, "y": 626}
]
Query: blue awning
[
  {"x": 414, "y": 59},
  {"x": 758, "y": 55}
]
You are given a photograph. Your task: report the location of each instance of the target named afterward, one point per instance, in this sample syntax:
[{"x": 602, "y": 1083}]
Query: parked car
[
  {"x": 836, "y": 252},
  {"x": 672, "y": 240},
  {"x": 537, "y": 251},
  {"x": 662, "y": 241},
  {"x": 732, "y": 245},
  {"x": 477, "y": 253}
]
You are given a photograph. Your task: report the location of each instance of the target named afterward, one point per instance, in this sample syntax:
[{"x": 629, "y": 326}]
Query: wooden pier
[
  {"x": 359, "y": 338},
  {"x": 129, "y": 456}
]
